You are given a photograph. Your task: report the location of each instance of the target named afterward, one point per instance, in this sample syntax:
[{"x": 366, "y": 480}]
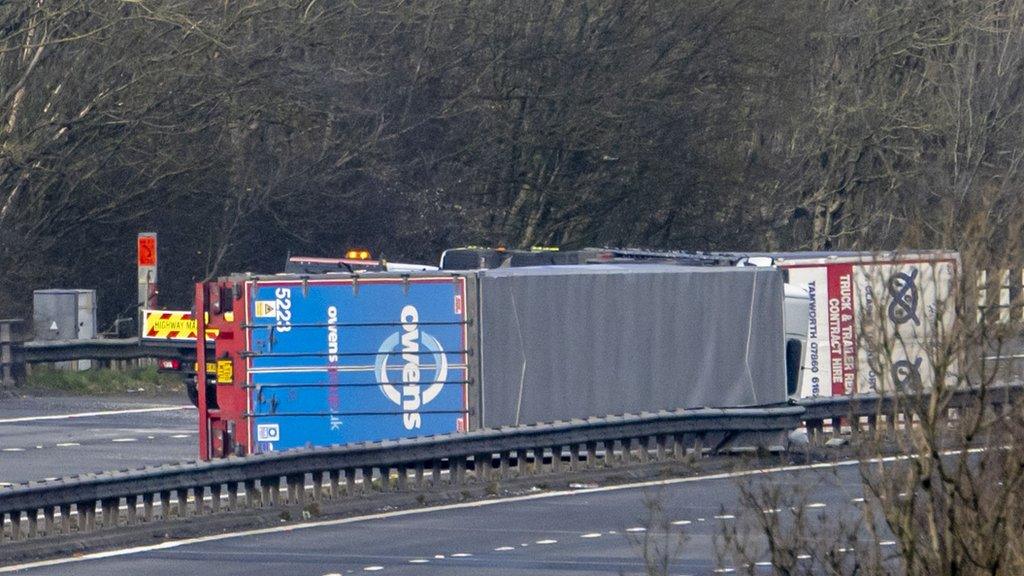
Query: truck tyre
[{"x": 193, "y": 393}]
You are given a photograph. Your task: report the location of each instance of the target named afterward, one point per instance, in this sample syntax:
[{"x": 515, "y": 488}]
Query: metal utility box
[{"x": 64, "y": 314}]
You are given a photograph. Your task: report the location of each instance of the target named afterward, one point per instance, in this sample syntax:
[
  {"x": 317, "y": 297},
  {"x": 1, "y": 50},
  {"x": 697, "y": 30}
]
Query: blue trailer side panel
[{"x": 331, "y": 362}]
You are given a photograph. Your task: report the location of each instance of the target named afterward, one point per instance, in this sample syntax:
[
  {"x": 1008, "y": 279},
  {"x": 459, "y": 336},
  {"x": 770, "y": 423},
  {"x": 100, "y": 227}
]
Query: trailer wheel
[{"x": 193, "y": 393}]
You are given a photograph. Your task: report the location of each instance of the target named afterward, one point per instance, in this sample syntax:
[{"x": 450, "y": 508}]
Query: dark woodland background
[{"x": 241, "y": 131}]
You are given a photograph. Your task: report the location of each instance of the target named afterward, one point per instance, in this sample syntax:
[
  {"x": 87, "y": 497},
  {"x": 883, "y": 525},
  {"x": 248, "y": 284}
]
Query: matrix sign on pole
[{"x": 147, "y": 261}]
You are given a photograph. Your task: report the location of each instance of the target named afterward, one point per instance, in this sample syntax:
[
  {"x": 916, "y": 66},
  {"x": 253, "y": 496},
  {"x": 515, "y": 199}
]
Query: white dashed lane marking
[
  {"x": 461, "y": 555},
  {"x": 504, "y": 548},
  {"x": 636, "y": 529},
  {"x": 75, "y": 444},
  {"x": 373, "y": 568},
  {"x": 547, "y": 542},
  {"x": 418, "y": 561},
  {"x": 816, "y": 505},
  {"x": 591, "y": 535},
  {"x": 94, "y": 414}
]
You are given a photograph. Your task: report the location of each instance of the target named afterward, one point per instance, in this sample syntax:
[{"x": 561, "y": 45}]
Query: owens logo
[
  {"x": 410, "y": 340},
  {"x": 332, "y": 334}
]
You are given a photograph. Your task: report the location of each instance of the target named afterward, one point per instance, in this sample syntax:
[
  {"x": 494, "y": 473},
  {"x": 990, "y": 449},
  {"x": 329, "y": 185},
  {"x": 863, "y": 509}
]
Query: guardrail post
[
  {"x": 165, "y": 504},
  {"x": 147, "y": 507},
  {"x": 503, "y": 464},
  {"x": 251, "y": 494},
  {"x": 368, "y": 479},
  {"x": 626, "y": 455},
  {"x": 556, "y": 458},
  {"x": 133, "y": 507},
  {"x": 435, "y": 473},
  {"x": 269, "y": 491},
  {"x": 350, "y": 481},
  {"x": 660, "y": 441},
  {"x": 335, "y": 477},
  {"x": 479, "y": 470},
  {"x": 232, "y": 495},
  {"x": 109, "y": 508},
  {"x": 610, "y": 454},
  {"x": 678, "y": 446},
  {"x": 295, "y": 487},
  {"x": 574, "y": 457},
  {"x": 815, "y": 429},
  {"x": 198, "y": 500},
  {"x": 591, "y": 454},
  {"x": 182, "y": 494},
  {"x": 521, "y": 463},
  {"x": 86, "y": 515},
  {"x": 16, "y": 525},
  {"x": 33, "y": 523},
  {"x": 403, "y": 478},
  {"x": 48, "y": 525},
  {"x": 318, "y": 484},
  {"x": 644, "y": 445},
  {"x": 698, "y": 446},
  {"x": 6, "y": 352},
  {"x": 65, "y": 518},
  {"x": 215, "y": 490},
  {"x": 458, "y": 470},
  {"x": 418, "y": 475}
]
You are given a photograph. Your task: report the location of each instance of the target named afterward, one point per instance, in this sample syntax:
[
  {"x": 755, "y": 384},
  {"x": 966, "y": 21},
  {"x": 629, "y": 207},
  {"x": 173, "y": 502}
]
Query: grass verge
[{"x": 144, "y": 381}]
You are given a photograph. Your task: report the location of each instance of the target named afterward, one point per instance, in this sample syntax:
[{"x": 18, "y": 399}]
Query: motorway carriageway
[
  {"x": 587, "y": 531},
  {"x": 48, "y": 437}
]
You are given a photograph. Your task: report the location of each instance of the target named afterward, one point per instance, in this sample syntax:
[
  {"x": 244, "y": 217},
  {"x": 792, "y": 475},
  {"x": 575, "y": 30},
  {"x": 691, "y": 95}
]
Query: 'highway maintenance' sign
[{"x": 172, "y": 325}]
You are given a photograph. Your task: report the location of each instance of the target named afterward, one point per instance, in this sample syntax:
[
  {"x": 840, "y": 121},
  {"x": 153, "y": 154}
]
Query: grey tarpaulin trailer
[{"x": 576, "y": 341}]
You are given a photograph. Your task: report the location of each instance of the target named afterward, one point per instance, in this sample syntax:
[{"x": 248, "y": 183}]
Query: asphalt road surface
[
  {"x": 48, "y": 437},
  {"x": 584, "y": 533}
]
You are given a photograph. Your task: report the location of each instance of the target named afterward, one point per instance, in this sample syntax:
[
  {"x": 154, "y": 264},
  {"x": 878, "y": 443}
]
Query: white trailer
[{"x": 873, "y": 318}]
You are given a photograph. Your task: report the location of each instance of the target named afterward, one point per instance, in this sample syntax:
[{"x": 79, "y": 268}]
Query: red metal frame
[{"x": 204, "y": 420}]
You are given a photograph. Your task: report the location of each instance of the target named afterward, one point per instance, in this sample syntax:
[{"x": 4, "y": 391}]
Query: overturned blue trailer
[{"x": 338, "y": 358}]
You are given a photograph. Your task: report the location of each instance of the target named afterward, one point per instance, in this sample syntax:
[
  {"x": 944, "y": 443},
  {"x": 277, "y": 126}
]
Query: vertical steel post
[
  {"x": 204, "y": 416},
  {"x": 6, "y": 355}
]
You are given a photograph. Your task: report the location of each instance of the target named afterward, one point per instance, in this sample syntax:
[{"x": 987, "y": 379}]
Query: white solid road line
[
  {"x": 94, "y": 414},
  {"x": 457, "y": 506}
]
